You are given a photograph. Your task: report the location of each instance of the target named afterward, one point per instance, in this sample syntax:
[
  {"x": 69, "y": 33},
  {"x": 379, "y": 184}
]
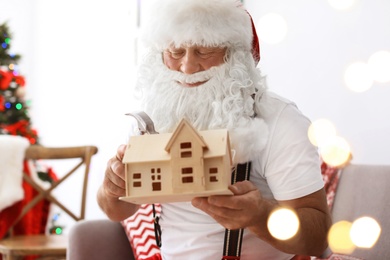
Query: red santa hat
[{"x": 201, "y": 22}]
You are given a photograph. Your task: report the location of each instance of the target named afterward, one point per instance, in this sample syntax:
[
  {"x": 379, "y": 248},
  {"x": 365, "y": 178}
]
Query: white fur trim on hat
[{"x": 198, "y": 22}]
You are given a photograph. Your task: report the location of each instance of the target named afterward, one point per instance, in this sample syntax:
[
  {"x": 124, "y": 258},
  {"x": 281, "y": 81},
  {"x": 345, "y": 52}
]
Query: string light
[
  {"x": 321, "y": 130},
  {"x": 358, "y": 77},
  {"x": 283, "y": 223},
  {"x": 365, "y": 232},
  {"x": 58, "y": 231},
  {"x": 339, "y": 238},
  {"x": 336, "y": 151}
]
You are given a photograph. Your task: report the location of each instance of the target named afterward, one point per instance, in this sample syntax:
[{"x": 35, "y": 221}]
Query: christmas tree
[{"x": 14, "y": 118}]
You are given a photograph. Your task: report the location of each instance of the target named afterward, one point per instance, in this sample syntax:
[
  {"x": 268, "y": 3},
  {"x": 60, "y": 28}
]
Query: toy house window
[
  {"x": 213, "y": 174},
  {"x": 187, "y": 175},
  {"x": 156, "y": 178},
  {"x": 186, "y": 145},
  {"x": 185, "y": 150},
  {"x": 137, "y": 176},
  {"x": 186, "y": 154}
]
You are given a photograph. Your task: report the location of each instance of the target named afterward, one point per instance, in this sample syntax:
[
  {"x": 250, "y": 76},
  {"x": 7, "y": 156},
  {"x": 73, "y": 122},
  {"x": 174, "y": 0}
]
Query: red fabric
[
  {"x": 255, "y": 43},
  {"x": 301, "y": 257},
  {"x": 34, "y": 222},
  {"x": 154, "y": 257},
  {"x": 330, "y": 176},
  {"x": 139, "y": 229},
  {"x": 226, "y": 257},
  {"x": 21, "y": 128}
]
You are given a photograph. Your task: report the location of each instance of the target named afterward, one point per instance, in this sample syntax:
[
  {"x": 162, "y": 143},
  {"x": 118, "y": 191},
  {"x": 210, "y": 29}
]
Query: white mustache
[{"x": 196, "y": 77}]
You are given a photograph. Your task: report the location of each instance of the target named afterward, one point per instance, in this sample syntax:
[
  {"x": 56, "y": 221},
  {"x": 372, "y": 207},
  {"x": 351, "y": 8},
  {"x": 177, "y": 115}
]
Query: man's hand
[
  {"x": 113, "y": 187},
  {"x": 242, "y": 210},
  {"x": 114, "y": 184}
]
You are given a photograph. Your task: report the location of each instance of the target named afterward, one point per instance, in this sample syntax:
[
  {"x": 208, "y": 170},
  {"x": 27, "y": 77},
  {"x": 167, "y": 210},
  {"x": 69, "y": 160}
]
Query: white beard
[{"x": 224, "y": 101}]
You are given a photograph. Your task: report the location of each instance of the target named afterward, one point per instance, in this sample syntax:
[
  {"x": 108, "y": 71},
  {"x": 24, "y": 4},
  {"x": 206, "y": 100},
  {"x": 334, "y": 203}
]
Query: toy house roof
[
  {"x": 152, "y": 148},
  {"x": 185, "y": 125}
]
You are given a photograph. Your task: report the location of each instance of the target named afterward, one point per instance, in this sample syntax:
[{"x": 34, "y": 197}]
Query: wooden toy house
[{"x": 177, "y": 166}]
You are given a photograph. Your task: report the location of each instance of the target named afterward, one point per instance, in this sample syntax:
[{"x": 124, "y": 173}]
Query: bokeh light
[
  {"x": 358, "y": 77},
  {"x": 339, "y": 238},
  {"x": 365, "y": 232},
  {"x": 18, "y": 106},
  {"x": 379, "y": 65},
  {"x": 272, "y": 28},
  {"x": 58, "y": 231},
  {"x": 321, "y": 130},
  {"x": 336, "y": 151},
  {"x": 342, "y": 4},
  {"x": 283, "y": 224}
]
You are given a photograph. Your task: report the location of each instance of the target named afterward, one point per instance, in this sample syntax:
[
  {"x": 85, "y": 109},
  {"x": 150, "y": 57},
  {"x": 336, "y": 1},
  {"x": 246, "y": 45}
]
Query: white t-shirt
[{"x": 287, "y": 168}]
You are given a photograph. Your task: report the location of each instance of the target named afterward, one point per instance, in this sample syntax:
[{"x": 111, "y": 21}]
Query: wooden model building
[{"x": 177, "y": 166}]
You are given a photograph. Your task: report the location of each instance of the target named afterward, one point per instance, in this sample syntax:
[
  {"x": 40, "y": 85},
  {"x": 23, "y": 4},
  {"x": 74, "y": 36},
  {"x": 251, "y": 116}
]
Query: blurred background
[{"x": 79, "y": 60}]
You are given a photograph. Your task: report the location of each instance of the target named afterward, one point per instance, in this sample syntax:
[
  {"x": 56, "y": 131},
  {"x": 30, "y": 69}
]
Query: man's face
[
  {"x": 210, "y": 87},
  {"x": 193, "y": 59}
]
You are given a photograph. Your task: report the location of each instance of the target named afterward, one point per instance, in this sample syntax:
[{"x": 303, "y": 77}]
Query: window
[
  {"x": 187, "y": 179},
  {"x": 213, "y": 174},
  {"x": 187, "y": 170},
  {"x": 213, "y": 179},
  {"x": 185, "y": 150},
  {"x": 187, "y": 175},
  {"x": 186, "y": 145},
  {"x": 186, "y": 154},
  {"x": 213, "y": 170},
  {"x": 155, "y": 174},
  {"x": 137, "y": 176}
]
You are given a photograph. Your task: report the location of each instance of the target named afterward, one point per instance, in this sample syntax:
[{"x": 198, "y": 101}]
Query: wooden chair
[{"x": 49, "y": 245}]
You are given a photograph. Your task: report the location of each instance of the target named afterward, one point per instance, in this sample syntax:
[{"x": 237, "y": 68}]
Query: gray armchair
[
  {"x": 98, "y": 240},
  {"x": 363, "y": 190}
]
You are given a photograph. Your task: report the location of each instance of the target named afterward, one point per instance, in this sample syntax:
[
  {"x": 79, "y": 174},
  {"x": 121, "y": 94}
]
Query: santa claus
[{"x": 201, "y": 64}]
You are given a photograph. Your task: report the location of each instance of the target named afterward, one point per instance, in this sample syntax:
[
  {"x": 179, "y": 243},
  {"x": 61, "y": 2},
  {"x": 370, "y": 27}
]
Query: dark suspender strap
[
  {"x": 233, "y": 238},
  {"x": 157, "y": 227}
]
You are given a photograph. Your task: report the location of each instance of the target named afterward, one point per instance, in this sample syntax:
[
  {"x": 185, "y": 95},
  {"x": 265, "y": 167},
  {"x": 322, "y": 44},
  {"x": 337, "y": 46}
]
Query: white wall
[
  {"x": 78, "y": 59},
  {"x": 308, "y": 67}
]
